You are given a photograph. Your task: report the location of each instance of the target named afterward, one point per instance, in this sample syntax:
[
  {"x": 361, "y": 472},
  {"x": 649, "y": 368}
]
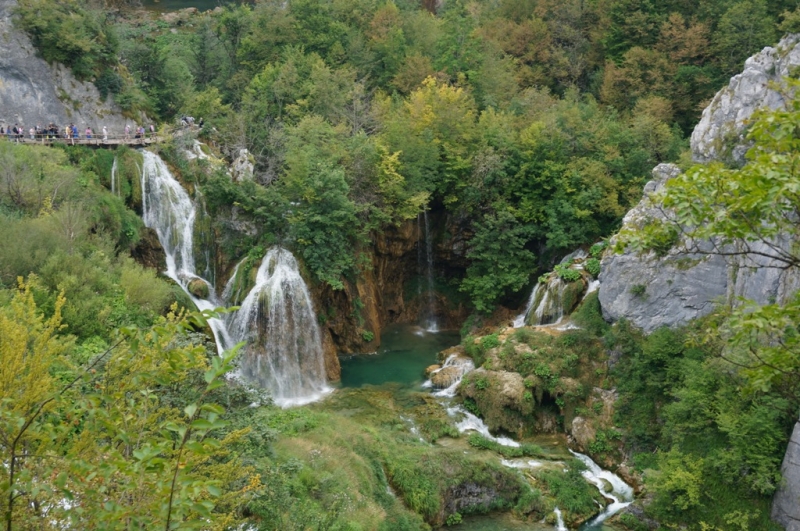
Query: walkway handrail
[{"x": 95, "y": 140}]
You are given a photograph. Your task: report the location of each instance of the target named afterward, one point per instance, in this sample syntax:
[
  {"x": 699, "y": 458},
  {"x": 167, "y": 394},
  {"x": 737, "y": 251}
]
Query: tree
[
  {"x": 748, "y": 215},
  {"x": 106, "y": 445}
]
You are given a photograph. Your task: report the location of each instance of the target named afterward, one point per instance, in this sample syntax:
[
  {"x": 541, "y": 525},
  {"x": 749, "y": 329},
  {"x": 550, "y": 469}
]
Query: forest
[{"x": 534, "y": 124}]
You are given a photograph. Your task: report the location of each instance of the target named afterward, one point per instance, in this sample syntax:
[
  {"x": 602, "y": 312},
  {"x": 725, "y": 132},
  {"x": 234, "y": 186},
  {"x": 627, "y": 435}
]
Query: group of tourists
[{"x": 18, "y": 133}]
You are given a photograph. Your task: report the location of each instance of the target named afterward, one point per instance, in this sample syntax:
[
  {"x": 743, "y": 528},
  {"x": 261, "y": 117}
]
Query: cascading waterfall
[
  {"x": 283, "y": 347},
  {"x": 621, "y": 493},
  {"x": 425, "y": 265},
  {"x": 545, "y": 305},
  {"x": 167, "y": 209},
  {"x": 559, "y": 520},
  {"x": 460, "y": 366}
]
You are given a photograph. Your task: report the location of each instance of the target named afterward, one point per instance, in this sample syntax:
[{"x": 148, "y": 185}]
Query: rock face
[
  {"x": 653, "y": 291},
  {"x": 242, "y": 167},
  {"x": 34, "y": 92},
  {"x": 720, "y": 131},
  {"x": 786, "y": 505}
]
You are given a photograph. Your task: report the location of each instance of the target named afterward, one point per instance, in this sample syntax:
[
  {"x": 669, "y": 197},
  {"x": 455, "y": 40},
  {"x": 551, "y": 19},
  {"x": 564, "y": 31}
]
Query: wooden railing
[{"x": 95, "y": 140}]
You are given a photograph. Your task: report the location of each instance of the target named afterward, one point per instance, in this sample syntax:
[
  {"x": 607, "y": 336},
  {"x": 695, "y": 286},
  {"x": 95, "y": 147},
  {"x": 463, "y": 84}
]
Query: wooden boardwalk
[{"x": 110, "y": 142}]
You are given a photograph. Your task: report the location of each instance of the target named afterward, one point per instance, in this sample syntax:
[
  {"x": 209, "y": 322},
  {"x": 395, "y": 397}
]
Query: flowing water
[
  {"x": 621, "y": 493},
  {"x": 175, "y": 5},
  {"x": 283, "y": 347},
  {"x": 425, "y": 267},
  {"x": 115, "y": 187},
  {"x": 545, "y": 305},
  {"x": 168, "y": 209}
]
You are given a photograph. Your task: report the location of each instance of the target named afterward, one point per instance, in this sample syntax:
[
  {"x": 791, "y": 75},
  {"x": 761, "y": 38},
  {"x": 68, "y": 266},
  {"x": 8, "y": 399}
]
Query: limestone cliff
[
  {"x": 720, "y": 133},
  {"x": 653, "y": 291},
  {"x": 33, "y": 92}
]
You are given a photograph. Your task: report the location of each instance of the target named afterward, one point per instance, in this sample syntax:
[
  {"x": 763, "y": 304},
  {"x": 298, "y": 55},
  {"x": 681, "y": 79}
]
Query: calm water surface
[{"x": 404, "y": 354}]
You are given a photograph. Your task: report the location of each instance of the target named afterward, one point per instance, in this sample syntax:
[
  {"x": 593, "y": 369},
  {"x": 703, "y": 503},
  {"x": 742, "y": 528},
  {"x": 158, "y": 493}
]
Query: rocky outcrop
[
  {"x": 242, "y": 167},
  {"x": 33, "y": 92},
  {"x": 786, "y": 504},
  {"x": 652, "y": 291},
  {"x": 720, "y": 133}
]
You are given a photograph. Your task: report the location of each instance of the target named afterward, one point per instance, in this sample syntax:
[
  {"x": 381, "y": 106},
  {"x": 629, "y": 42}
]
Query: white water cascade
[
  {"x": 283, "y": 347},
  {"x": 559, "y": 520},
  {"x": 621, "y": 494},
  {"x": 459, "y": 366},
  {"x": 283, "y": 350},
  {"x": 167, "y": 209},
  {"x": 115, "y": 187},
  {"x": 545, "y": 305},
  {"x": 425, "y": 264}
]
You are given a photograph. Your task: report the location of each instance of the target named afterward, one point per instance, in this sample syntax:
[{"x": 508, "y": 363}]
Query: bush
[
  {"x": 567, "y": 274},
  {"x": 592, "y": 266}
]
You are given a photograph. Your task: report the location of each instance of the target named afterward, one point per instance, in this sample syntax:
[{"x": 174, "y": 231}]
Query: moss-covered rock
[{"x": 198, "y": 288}]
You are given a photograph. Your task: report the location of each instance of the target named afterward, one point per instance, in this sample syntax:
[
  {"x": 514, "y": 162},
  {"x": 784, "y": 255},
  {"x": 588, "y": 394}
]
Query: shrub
[
  {"x": 638, "y": 290},
  {"x": 592, "y": 266},
  {"x": 597, "y": 249},
  {"x": 367, "y": 336},
  {"x": 567, "y": 274}
]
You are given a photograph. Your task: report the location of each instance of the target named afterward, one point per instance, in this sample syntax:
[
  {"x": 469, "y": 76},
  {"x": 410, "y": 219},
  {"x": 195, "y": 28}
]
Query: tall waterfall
[
  {"x": 425, "y": 266},
  {"x": 167, "y": 209},
  {"x": 283, "y": 350},
  {"x": 283, "y": 347},
  {"x": 115, "y": 187}
]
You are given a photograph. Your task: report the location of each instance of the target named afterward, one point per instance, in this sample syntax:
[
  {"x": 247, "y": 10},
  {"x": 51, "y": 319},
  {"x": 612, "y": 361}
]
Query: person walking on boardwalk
[
  {"x": 127, "y": 131},
  {"x": 105, "y": 134}
]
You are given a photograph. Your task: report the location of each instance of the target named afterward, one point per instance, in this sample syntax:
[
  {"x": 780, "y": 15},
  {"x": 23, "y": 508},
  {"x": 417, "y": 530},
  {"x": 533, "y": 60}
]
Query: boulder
[
  {"x": 583, "y": 434},
  {"x": 445, "y": 377},
  {"x": 198, "y": 288},
  {"x": 430, "y": 369},
  {"x": 786, "y": 504}
]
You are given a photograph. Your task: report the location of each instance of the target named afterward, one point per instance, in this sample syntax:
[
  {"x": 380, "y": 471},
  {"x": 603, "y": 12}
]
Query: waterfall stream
[
  {"x": 283, "y": 347},
  {"x": 115, "y": 187},
  {"x": 168, "y": 209},
  {"x": 425, "y": 267},
  {"x": 621, "y": 493},
  {"x": 545, "y": 305}
]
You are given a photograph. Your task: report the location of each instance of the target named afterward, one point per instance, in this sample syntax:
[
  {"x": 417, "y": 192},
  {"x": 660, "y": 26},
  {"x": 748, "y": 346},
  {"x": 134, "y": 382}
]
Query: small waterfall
[
  {"x": 459, "y": 366},
  {"x": 167, "y": 209},
  {"x": 425, "y": 265},
  {"x": 283, "y": 350},
  {"x": 114, "y": 185},
  {"x": 559, "y": 520},
  {"x": 470, "y": 422},
  {"x": 545, "y": 305},
  {"x": 621, "y": 493},
  {"x": 233, "y": 289}
]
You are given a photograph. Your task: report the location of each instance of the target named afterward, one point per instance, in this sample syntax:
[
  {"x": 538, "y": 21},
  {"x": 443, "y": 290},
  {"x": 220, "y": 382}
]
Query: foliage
[
  {"x": 566, "y": 273},
  {"x": 573, "y": 494},
  {"x": 592, "y": 266}
]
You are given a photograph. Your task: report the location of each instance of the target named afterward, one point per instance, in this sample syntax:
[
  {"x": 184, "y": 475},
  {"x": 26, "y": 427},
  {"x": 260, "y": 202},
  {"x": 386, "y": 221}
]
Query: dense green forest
[{"x": 535, "y": 123}]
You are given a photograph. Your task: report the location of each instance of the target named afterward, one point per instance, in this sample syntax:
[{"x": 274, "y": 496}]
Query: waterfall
[
  {"x": 283, "y": 350},
  {"x": 621, "y": 493},
  {"x": 425, "y": 266},
  {"x": 115, "y": 187},
  {"x": 459, "y": 366},
  {"x": 470, "y": 422},
  {"x": 167, "y": 209},
  {"x": 559, "y": 520},
  {"x": 545, "y": 305}
]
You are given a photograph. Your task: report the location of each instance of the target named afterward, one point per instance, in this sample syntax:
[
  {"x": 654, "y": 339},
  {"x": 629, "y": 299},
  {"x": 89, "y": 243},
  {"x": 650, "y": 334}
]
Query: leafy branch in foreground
[{"x": 108, "y": 447}]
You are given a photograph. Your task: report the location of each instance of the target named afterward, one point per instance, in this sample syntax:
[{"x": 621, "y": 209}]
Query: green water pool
[
  {"x": 175, "y": 5},
  {"x": 404, "y": 354}
]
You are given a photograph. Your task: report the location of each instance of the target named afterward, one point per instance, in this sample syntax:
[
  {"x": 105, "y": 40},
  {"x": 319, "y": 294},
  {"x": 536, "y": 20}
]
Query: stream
[{"x": 399, "y": 364}]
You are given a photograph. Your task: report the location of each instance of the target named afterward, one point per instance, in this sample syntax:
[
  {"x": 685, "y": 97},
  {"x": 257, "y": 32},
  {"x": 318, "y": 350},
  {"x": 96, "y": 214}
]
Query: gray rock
[
  {"x": 786, "y": 504},
  {"x": 242, "y": 167},
  {"x": 722, "y": 126},
  {"x": 34, "y": 92}
]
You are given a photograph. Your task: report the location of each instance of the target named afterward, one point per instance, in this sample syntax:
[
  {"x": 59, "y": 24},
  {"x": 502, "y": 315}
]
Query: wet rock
[
  {"x": 430, "y": 369},
  {"x": 198, "y": 288},
  {"x": 446, "y": 377},
  {"x": 148, "y": 251}
]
